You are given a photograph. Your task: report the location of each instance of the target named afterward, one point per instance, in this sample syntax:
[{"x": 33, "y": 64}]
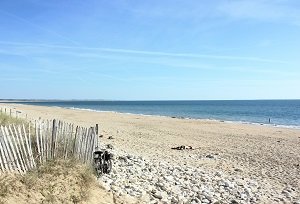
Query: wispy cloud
[
  {"x": 30, "y": 23},
  {"x": 88, "y": 52},
  {"x": 265, "y": 10},
  {"x": 283, "y": 11},
  {"x": 15, "y": 79}
]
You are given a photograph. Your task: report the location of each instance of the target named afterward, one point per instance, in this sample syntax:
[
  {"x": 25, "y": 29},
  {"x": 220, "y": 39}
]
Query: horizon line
[{"x": 108, "y": 100}]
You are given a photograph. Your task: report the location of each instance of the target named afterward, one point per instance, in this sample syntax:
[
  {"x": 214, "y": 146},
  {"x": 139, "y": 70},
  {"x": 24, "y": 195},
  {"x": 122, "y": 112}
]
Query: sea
[{"x": 283, "y": 113}]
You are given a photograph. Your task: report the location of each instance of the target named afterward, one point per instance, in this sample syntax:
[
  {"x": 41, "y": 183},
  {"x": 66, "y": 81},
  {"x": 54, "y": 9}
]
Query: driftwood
[{"x": 182, "y": 147}]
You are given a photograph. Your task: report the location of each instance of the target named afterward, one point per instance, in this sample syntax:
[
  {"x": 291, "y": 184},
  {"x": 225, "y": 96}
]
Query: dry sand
[
  {"x": 267, "y": 154},
  {"x": 56, "y": 182}
]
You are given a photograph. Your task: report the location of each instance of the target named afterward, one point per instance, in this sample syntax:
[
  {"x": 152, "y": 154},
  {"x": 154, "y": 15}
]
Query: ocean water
[{"x": 280, "y": 112}]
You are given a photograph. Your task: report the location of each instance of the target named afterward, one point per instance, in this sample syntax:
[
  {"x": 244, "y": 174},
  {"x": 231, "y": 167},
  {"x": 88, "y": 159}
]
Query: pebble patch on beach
[{"x": 161, "y": 182}]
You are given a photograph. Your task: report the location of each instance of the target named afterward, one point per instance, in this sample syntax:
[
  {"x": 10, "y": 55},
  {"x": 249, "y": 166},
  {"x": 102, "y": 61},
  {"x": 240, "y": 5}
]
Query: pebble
[
  {"x": 164, "y": 183},
  {"x": 157, "y": 195},
  {"x": 205, "y": 201},
  {"x": 210, "y": 156}
]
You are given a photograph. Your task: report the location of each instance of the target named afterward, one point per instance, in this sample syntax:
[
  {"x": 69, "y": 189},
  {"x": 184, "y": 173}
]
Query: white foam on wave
[
  {"x": 189, "y": 118},
  {"x": 264, "y": 124}
]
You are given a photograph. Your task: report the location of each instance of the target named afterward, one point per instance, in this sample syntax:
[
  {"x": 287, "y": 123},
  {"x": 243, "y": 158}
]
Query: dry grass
[
  {"x": 57, "y": 181},
  {"x": 8, "y": 120}
]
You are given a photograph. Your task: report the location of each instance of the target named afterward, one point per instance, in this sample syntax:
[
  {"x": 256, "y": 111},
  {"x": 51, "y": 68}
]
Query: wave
[{"x": 190, "y": 118}]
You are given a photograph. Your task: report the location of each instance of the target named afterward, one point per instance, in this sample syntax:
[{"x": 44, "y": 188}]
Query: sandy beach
[{"x": 265, "y": 154}]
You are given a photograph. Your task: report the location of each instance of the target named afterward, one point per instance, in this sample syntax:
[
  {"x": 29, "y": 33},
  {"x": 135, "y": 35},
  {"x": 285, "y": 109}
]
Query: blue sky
[{"x": 148, "y": 50}]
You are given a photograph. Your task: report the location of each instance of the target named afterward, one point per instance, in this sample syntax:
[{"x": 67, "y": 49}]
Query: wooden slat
[
  {"x": 74, "y": 152},
  {"x": 2, "y": 151},
  {"x": 18, "y": 148},
  {"x": 25, "y": 150},
  {"x": 1, "y": 162},
  {"x": 37, "y": 137},
  {"x": 22, "y": 147},
  {"x": 7, "y": 151},
  {"x": 48, "y": 134},
  {"x": 45, "y": 134},
  {"x": 30, "y": 145},
  {"x": 13, "y": 149},
  {"x": 89, "y": 145},
  {"x": 41, "y": 141},
  {"x": 53, "y": 138},
  {"x": 30, "y": 155}
]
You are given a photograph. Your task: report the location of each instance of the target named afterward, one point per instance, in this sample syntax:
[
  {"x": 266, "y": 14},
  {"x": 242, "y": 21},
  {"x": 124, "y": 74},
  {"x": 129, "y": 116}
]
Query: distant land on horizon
[{"x": 62, "y": 100}]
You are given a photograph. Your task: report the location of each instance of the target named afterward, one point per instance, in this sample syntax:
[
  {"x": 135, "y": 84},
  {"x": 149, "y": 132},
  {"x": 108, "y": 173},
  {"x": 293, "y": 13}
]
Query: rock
[
  {"x": 153, "y": 191},
  {"x": 157, "y": 195},
  {"x": 164, "y": 188},
  {"x": 195, "y": 182},
  {"x": 122, "y": 158},
  {"x": 109, "y": 146},
  {"x": 169, "y": 178},
  {"x": 209, "y": 197},
  {"x": 210, "y": 156},
  {"x": 233, "y": 202},
  {"x": 205, "y": 201},
  {"x": 174, "y": 200},
  {"x": 129, "y": 156},
  {"x": 197, "y": 200},
  {"x": 159, "y": 184},
  {"x": 163, "y": 182},
  {"x": 240, "y": 182},
  {"x": 110, "y": 137},
  {"x": 228, "y": 184},
  {"x": 218, "y": 174},
  {"x": 238, "y": 170},
  {"x": 248, "y": 191},
  {"x": 115, "y": 188},
  {"x": 195, "y": 189},
  {"x": 243, "y": 196}
]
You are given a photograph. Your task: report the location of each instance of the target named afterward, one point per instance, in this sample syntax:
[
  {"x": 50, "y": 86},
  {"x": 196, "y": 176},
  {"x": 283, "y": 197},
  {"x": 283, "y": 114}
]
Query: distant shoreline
[
  {"x": 163, "y": 116},
  {"x": 94, "y": 100}
]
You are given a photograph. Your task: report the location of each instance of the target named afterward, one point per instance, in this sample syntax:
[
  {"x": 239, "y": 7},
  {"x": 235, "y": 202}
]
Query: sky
[{"x": 150, "y": 50}]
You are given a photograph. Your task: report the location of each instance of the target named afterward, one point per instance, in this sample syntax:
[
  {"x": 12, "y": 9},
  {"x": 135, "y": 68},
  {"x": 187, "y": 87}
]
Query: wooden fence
[
  {"x": 13, "y": 112},
  {"x": 23, "y": 148}
]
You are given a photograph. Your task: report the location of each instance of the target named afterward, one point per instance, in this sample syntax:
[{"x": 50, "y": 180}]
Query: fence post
[
  {"x": 97, "y": 129},
  {"x": 53, "y": 138}
]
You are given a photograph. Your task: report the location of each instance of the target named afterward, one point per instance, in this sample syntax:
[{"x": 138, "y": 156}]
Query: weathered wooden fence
[
  {"x": 13, "y": 112},
  {"x": 23, "y": 148}
]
